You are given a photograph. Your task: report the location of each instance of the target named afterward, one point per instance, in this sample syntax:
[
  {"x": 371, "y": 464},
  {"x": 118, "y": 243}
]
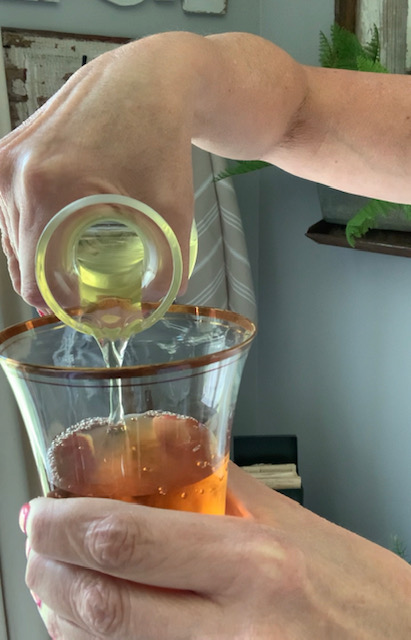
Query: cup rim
[{"x": 138, "y": 370}]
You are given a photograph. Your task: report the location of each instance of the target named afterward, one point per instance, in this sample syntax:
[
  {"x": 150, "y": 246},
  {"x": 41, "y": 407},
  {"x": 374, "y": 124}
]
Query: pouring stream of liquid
[{"x": 113, "y": 355}]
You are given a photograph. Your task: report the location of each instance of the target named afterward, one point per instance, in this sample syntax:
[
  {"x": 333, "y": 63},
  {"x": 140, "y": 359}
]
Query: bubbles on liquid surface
[
  {"x": 155, "y": 461},
  {"x": 97, "y": 437}
]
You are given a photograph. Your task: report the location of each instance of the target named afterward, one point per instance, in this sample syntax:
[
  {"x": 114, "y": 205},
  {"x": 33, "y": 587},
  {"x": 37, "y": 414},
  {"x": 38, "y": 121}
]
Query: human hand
[
  {"x": 106, "y": 131},
  {"x": 107, "y": 569}
]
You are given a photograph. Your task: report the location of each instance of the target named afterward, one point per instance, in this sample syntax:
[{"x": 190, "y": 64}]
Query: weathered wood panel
[
  {"x": 346, "y": 14},
  {"x": 391, "y": 18},
  {"x": 38, "y": 63}
]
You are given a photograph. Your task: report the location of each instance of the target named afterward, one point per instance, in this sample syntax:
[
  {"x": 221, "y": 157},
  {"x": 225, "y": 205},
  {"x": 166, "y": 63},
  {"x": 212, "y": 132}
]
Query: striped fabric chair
[{"x": 222, "y": 275}]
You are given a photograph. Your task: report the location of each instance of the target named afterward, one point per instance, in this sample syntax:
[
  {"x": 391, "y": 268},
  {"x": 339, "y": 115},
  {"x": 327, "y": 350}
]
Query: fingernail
[
  {"x": 41, "y": 313},
  {"x": 36, "y": 599},
  {"x": 23, "y": 515}
]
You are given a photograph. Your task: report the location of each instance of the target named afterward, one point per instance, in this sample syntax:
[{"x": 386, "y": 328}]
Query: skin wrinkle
[
  {"x": 113, "y": 543},
  {"x": 100, "y": 609},
  {"x": 296, "y": 133},
  {"x": 300, "y": 131}
]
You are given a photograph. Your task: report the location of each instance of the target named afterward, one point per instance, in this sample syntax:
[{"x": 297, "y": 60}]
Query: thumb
[{"x": 250, "y": 498}]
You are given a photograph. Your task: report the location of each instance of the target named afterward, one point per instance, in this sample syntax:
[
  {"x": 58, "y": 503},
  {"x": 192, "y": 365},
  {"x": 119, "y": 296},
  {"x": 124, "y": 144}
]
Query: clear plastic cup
[{"x": 178, "y": 385}]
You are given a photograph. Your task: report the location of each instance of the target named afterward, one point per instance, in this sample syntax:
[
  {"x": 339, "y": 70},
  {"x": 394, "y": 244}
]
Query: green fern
[
  {"x": 399, "y": 547},
  {"x": 373, "y": 47},
  {"x": 240, "y": 167},
  {"x": 342, "y": 50},
  {"x": 366, "y": 218},
  {"x": 367, "y": 64}
]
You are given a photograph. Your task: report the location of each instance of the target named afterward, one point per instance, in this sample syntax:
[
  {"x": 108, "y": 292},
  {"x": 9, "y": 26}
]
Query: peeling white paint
[
  {"x": 37, "y": 65},
  {"x": 392, "y": 17}
]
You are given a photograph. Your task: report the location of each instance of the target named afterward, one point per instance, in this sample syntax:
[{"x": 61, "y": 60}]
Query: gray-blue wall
[
  {"x": 335, "y": 367},
  {"x": 103, "y": 18}
]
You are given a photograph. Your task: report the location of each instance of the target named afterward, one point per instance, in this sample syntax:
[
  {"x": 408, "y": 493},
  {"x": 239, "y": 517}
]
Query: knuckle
[
  {"x": 113, "y": 542},
  {"x": 275, "y": 563},
  {"x": 99, "y": 604},
  {"x": 34, "y": 171}
]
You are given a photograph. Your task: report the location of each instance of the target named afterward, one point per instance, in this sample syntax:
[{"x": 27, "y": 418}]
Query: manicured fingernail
[
  {"x": 36, "y": 599},
  {"x": 23, "y": 515},
  {"x": 41, "y": 313}
]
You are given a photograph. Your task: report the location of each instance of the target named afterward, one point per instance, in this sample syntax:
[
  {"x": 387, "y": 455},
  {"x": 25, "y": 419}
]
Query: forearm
[
  {"x": 354, "y": 133},
  {"x": 348, "y": 129},
  {"x": 238, "y": 93},
  {"x": 243, "y": 97}
]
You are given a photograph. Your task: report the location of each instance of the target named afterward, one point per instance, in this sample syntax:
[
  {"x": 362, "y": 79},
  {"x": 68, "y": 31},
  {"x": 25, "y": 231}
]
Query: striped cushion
[{"x": 222, "y": 275}]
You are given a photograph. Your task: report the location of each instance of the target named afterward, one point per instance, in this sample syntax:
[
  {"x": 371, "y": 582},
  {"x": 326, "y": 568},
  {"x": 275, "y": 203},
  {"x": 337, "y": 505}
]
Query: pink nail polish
[
  {"x": 23, "y": 515},
  {"x": 41, "y": 313},
  {"x": 36, "y": 599}
]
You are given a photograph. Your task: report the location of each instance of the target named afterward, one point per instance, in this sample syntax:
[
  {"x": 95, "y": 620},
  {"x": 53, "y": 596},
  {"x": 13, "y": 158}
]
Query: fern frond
[
  {"x": 399, "y": 547},
  {"x": 346, "y": 48},
  {"x": 367, "y": 64},
  {"x": 366, "y": 218},
  {"x": 326, "y": 54},
  {"x": 344, "y": 51},
  {"x": 373, "y": 47},
  {"x": 240, "y": 167}
]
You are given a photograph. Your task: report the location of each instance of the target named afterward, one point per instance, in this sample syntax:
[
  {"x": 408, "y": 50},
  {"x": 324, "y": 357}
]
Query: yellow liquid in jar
[
  {"x": 110, "y": 265},
  {"x": 109, "y": 275}
]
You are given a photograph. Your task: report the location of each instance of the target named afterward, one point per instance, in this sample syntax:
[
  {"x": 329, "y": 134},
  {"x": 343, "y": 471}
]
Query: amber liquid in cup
[
  {"x": 168, "y": 446},
  {"x": 157, "y": 459}
]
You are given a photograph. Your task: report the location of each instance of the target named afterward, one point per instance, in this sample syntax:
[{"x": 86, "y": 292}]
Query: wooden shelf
[{"x": 396, "y": 243}]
